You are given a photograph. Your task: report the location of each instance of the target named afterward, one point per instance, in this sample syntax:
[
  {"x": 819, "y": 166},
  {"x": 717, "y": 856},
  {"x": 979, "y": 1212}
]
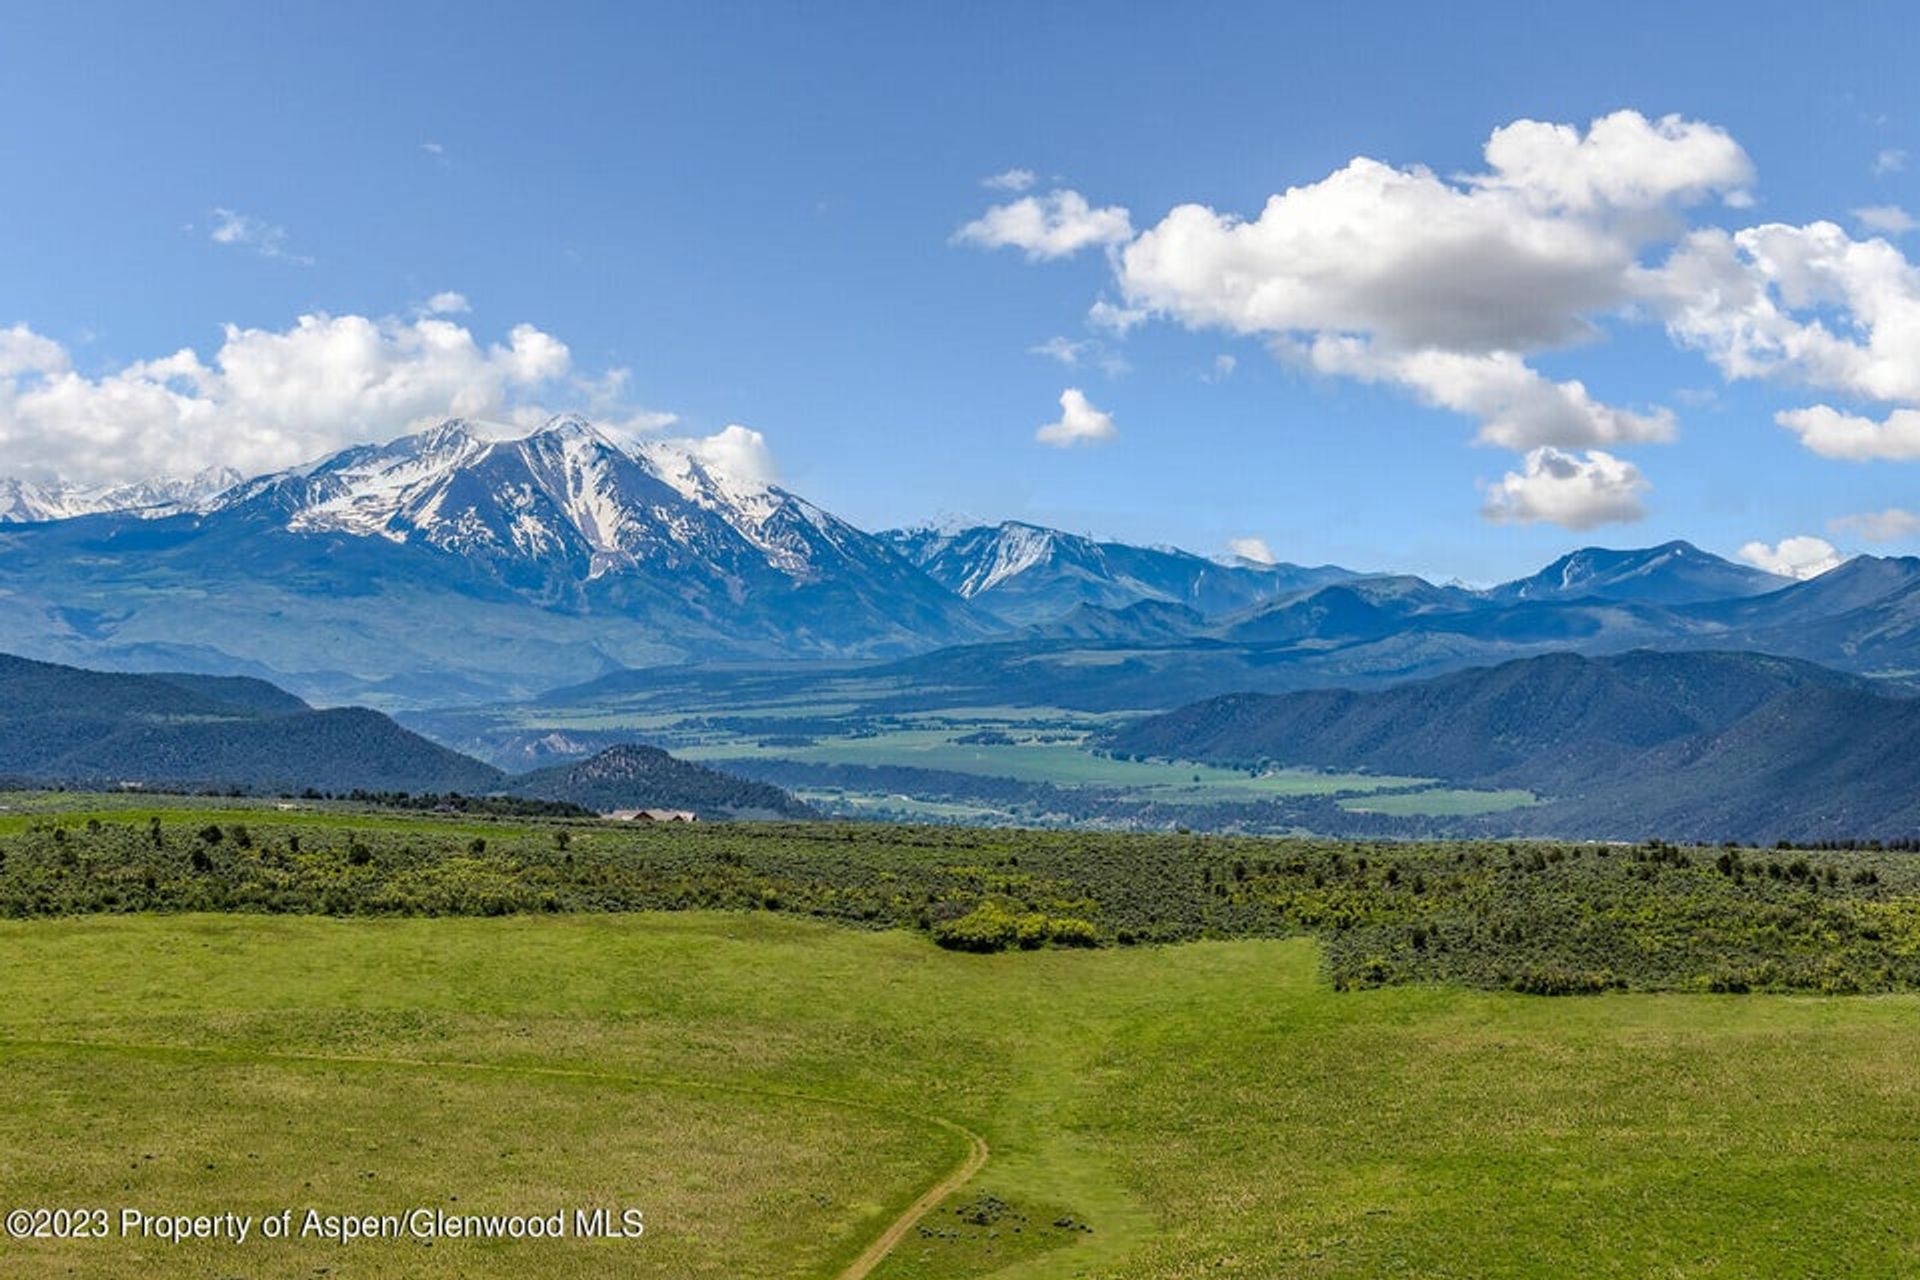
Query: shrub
[
  {"x": 988, "y": 927},
  {"x": 1071, "y": 931}
]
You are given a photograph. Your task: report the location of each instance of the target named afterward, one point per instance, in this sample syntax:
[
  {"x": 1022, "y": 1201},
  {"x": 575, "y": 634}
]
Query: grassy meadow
[
  {"x": 1245, "y": 1058},
  {"x": 1208, "y": 1109}
]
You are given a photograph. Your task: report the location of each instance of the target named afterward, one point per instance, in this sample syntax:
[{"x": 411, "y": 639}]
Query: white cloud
[
  {"x": 1517, "y": 258},
  {"x": 1254, "y": 549},
  {"x": 1624, "y": 162},
  {"x": 1119, "y": 321},
  {"x": 1887, "y": 219},
  {"x": 1892, "y": 525},
  {"x": 265, "y": 398},
  {"x": 1833, "y": 434},
  {"x": 245, "y": 231},
  {"x": 1010, "y": 180},
  {"x": 1221, "y": 369},
  {"x": 737, "y": 452},
  {"x": 447, "y": 303},
  {"x": 1517, "y": 407},
  {"x": 1445, "y": 285},
  {"x": 1801, "y": 557},
  {"x": 1889, "y": 160},
  {"x": 24, "y": 351},
  {"x": 433, "y": 148},
  {"x": 1574, "y": 491},
  {"x": 1808, "y": 304},
  {"x": 1089, "y": 352},
  {"x": 1056, "y": 225},
  {"x": 1080, "y": 423}
]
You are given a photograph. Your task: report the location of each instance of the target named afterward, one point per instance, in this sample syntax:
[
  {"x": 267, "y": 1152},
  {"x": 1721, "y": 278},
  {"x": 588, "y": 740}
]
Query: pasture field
[
  {"x": 769, "y": 1092},
  {"x": 916, "y": 755},
  {"x": 1440, "y": 801},
  {"x": 1062, "y": 764}
]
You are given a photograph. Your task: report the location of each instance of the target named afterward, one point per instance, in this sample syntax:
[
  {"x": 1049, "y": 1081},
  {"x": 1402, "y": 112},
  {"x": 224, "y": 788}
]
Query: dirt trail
[{"x": 958, "y": 1177}]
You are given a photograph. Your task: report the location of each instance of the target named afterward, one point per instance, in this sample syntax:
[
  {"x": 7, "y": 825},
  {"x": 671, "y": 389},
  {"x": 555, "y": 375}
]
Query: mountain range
[
  {"x": 453, "y": 563},
  {"x": 72, "y": 726},
  {"x": 467, "y": 564},
  {"x": 24, "y": 502},
  {"x": 1678, "y": 745},
  {"x": 1024, "y": 574}
]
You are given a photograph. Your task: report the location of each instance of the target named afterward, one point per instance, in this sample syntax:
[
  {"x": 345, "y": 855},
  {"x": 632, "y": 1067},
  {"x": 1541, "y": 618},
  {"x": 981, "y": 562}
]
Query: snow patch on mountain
[
  {"x": 1016, "y": 548},
  {"x": 24, "y": 502}
]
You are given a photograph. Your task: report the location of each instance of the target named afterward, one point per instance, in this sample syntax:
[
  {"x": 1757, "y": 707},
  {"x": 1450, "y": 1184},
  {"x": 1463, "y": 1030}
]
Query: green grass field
[
  {"x": 1049, "y": 745},
  {"x": 769, "y": 1091},
  {"x": 1062, "y": 764}
]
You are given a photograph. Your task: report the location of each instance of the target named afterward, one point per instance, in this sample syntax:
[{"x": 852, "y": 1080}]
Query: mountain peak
[
  {"x": 570, "y": 426},
  {"x": 452, "y": 431},
  {"x": 1675, "y": 572}
]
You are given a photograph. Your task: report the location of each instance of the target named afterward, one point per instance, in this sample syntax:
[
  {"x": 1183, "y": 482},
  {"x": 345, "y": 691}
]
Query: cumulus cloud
[
  {"x": 1516, "y": 258},
  {"x": 1808, "y": 304},
  {"x": 1056, "y": 225},
  {"x": 1887, "y": 219},
  {"x": 1080, "y": 423},
  {"x": 1814, "y": 306},
  {"x": 1449, "y": 286},
  {"x": 1833, "y": 434},
  {"x": 448, "y": 303},
  {"x": 1624, "y": 162},
  {"x": 1517, "y": 407},
  {"x": 1221, "y": 369},
  {"x": 1445, "y": 285},
  {"x": 1573, "y": 490},
  {"x": 245, "y": 231},
  {"x": 1892, "y": 525},
  {"x": 1254, "y": 549},
  {"x": 1009, "y": 180},
  {"x": 737, "y": 452},
  {"x": 264, "y": 399},
  {"x": 22, "y": 351},
  {"x": 1800, "y": 557}
]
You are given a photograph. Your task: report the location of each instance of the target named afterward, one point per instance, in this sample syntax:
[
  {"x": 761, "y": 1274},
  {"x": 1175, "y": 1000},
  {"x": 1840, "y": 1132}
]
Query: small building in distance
[{"x": 652, "y": 815}]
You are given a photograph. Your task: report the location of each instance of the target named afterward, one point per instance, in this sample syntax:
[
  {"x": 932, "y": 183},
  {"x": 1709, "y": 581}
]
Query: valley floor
[{"x": 772, "y": 1092}]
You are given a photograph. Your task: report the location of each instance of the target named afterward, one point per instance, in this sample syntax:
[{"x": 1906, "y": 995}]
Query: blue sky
[{"x": 752, "y": 211}]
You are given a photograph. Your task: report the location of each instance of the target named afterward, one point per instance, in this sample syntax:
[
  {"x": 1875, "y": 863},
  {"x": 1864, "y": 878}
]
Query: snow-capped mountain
[
  {"x": 1028, "y": 574},
  {"x": 459, "y": 561},
  {"x": 566, "y": 506},
  {"x": 23, "y": 502}
]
